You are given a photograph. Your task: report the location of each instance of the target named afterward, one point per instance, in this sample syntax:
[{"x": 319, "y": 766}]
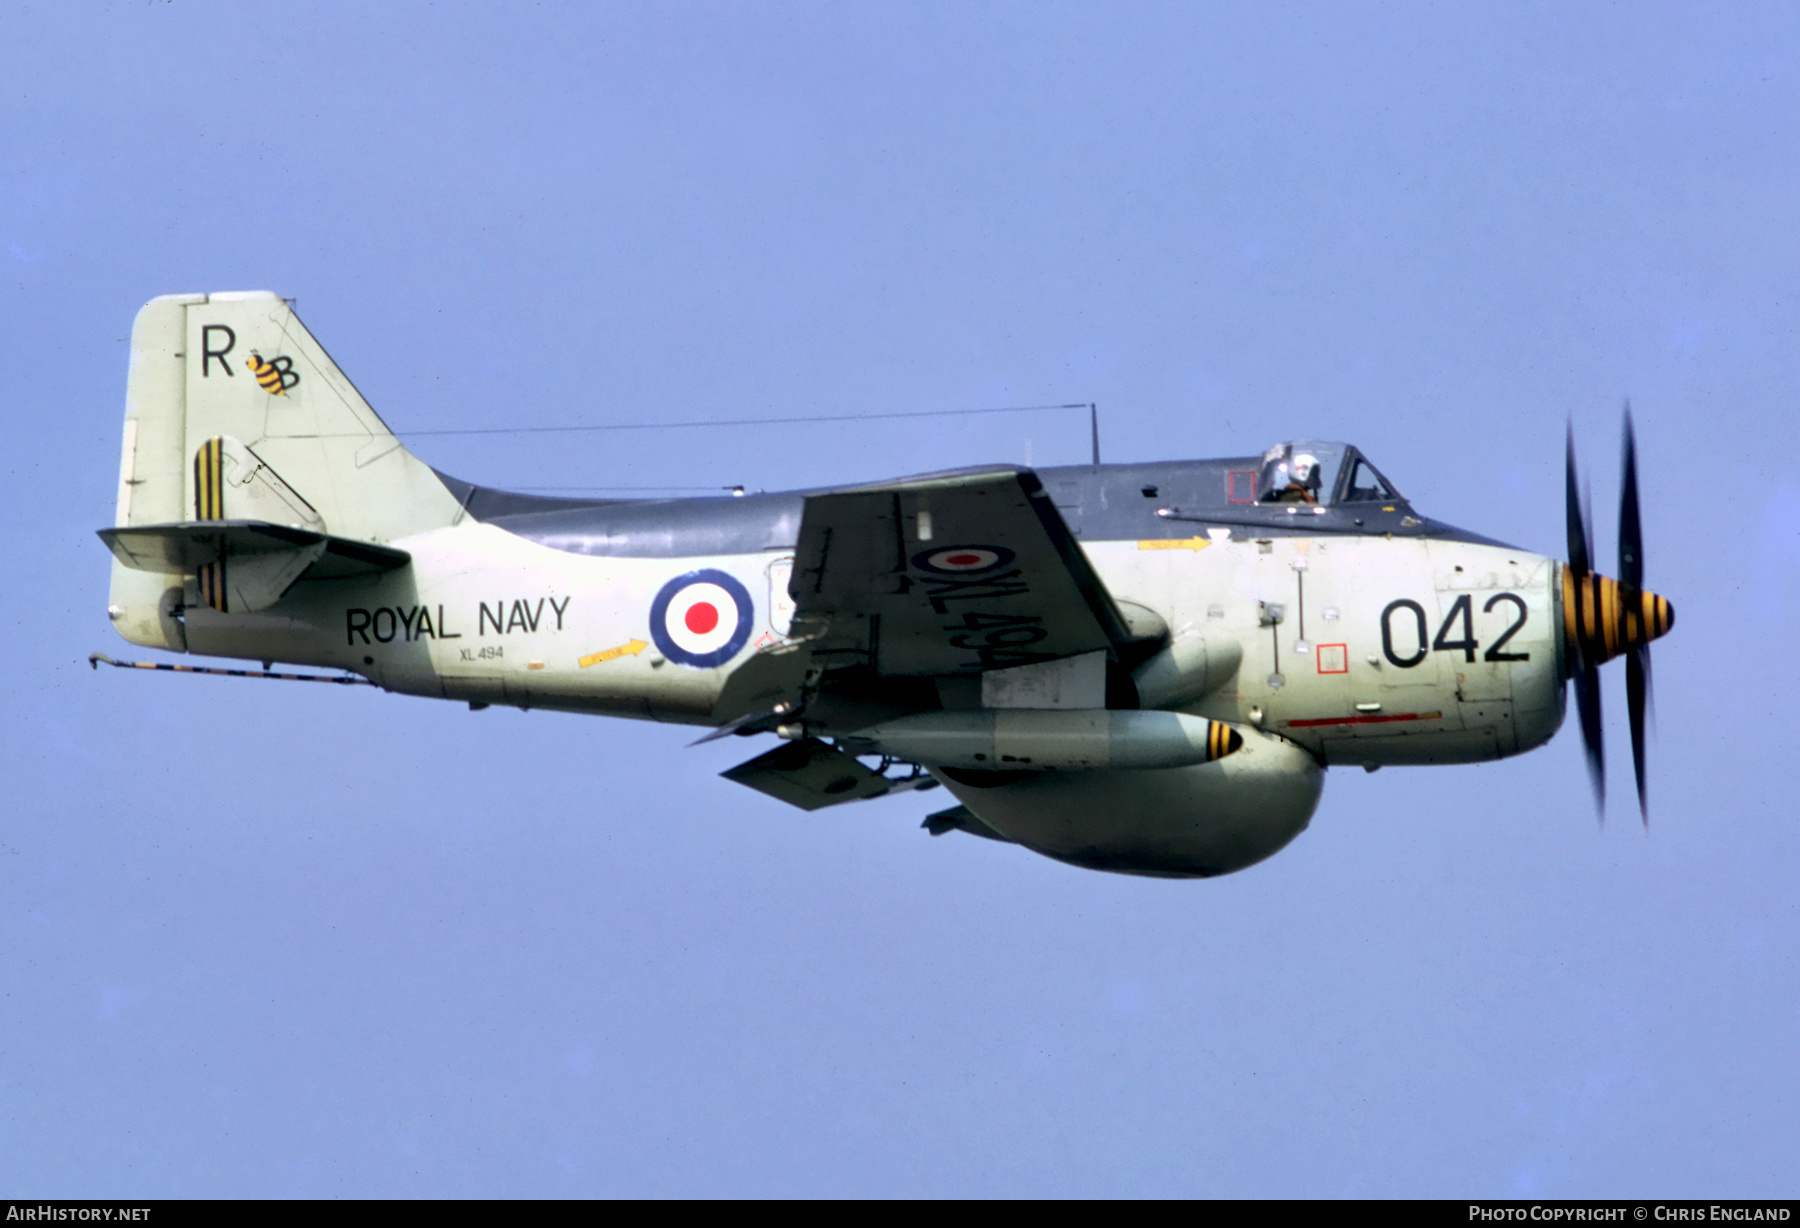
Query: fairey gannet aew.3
[{"x": 1144, "y": 668}]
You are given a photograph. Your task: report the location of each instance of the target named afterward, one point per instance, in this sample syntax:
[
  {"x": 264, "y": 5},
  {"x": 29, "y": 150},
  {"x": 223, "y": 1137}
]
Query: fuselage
[
  {"x": 1360, "y": 631},
  {"x": 1145, "y": 668}
]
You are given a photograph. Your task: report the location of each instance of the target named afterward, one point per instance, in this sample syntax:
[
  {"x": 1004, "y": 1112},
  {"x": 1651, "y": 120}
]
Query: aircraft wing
[{"x": 947, "y": 574}]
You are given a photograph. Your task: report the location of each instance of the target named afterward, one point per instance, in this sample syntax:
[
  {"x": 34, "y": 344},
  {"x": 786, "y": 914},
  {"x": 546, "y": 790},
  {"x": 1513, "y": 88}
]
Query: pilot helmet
[
  {"x": 1289, "y": 476},
  {"x": 1304, "y": 471}
]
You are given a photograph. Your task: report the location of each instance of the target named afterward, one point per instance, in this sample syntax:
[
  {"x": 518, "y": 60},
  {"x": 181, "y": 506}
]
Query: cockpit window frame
[{"x": 1341, "y": 496}]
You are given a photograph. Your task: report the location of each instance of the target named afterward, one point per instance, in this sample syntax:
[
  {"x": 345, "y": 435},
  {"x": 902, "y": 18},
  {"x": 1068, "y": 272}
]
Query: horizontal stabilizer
[
  {"x": 246, "y": 565},
  {"x": 191, "y": 545}
]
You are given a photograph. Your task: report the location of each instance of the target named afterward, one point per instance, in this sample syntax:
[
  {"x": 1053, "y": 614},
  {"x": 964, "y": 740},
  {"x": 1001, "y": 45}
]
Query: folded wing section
[{"x": 945, "y": 575}]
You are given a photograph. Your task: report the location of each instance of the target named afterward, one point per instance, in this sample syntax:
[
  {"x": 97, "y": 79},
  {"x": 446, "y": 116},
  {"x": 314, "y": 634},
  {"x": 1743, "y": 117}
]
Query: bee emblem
[{"x": 275, "y": 375}]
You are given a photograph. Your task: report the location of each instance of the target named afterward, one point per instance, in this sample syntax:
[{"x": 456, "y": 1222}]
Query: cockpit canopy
[
  {"x": 1290, "y": 474},
  {"x": 1319, "y": 471}
]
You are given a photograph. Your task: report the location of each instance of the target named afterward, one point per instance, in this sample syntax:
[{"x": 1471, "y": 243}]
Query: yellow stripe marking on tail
[
  {"x": 209, "y": 480},
  {"x": 209, "y": 504}
]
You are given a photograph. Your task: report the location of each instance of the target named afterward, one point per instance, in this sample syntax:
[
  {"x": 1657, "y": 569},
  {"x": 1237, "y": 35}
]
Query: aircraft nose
[{"x": 1603, "y": 618}]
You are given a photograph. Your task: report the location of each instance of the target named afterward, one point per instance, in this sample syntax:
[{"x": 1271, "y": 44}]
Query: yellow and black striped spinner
[
  {"x": 1221, "y": 740},
  {"x": 267, "y": 374},
  {"x": 209, "y": 504},
  {"x": 1603, "y": 618}
]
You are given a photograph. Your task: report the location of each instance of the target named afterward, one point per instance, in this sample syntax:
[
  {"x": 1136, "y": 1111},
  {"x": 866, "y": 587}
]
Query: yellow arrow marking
[
  {"x": 630, "y": 648},
  {"x": 1176, "y": 543}
]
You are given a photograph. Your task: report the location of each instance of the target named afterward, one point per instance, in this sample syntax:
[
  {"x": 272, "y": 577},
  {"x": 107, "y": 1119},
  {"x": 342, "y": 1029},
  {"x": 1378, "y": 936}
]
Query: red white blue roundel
[
  {"x": 958, "y": 560},
  {"x": 701, "y": 619}
]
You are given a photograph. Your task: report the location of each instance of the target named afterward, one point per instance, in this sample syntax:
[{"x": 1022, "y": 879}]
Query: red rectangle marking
[
  {"x": 1379, "y": 719},
  {"x": 1334, "y": 658},
  {"x": 1240, "y": 485}
]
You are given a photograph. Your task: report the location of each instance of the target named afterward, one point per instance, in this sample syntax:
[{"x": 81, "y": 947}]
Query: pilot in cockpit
[{"x": 1288, "y": 476}]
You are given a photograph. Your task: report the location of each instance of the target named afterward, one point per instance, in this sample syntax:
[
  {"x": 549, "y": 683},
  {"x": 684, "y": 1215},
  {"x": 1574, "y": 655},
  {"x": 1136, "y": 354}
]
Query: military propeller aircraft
[{"x": 1144, "y": 668}]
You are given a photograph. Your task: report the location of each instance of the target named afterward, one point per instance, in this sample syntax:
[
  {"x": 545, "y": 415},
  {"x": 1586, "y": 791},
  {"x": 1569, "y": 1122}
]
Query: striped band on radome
[{"x": 1221, "y": 740}]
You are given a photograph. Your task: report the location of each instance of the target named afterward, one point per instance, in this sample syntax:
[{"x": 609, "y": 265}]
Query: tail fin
[{"x": 234, "y": 384}]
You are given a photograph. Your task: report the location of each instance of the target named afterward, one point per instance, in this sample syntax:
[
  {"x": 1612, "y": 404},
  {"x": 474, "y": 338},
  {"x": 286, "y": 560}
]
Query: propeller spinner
[{"x": 1604, "y": 618}]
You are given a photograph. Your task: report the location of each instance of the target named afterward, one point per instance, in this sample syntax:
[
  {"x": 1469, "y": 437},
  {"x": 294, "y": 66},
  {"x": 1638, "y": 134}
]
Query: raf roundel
[
  {"x": 701, "y": 619},
  {"x": 960, "y": 560}
]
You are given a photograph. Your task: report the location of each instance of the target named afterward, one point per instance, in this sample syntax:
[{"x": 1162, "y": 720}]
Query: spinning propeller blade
[
  {"x": 1586, "y": 673},
  {"x": 1631, "y": 585},
  {"x": 1579, "y": 551},
  {"x": 1631, "y": 533},
  {"x": 1604, "y": 618},
  {"x": 1637, "y": 700}
]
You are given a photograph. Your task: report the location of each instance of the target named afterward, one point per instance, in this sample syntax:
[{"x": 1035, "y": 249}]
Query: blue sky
[{"x": 261, "y": 940}]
